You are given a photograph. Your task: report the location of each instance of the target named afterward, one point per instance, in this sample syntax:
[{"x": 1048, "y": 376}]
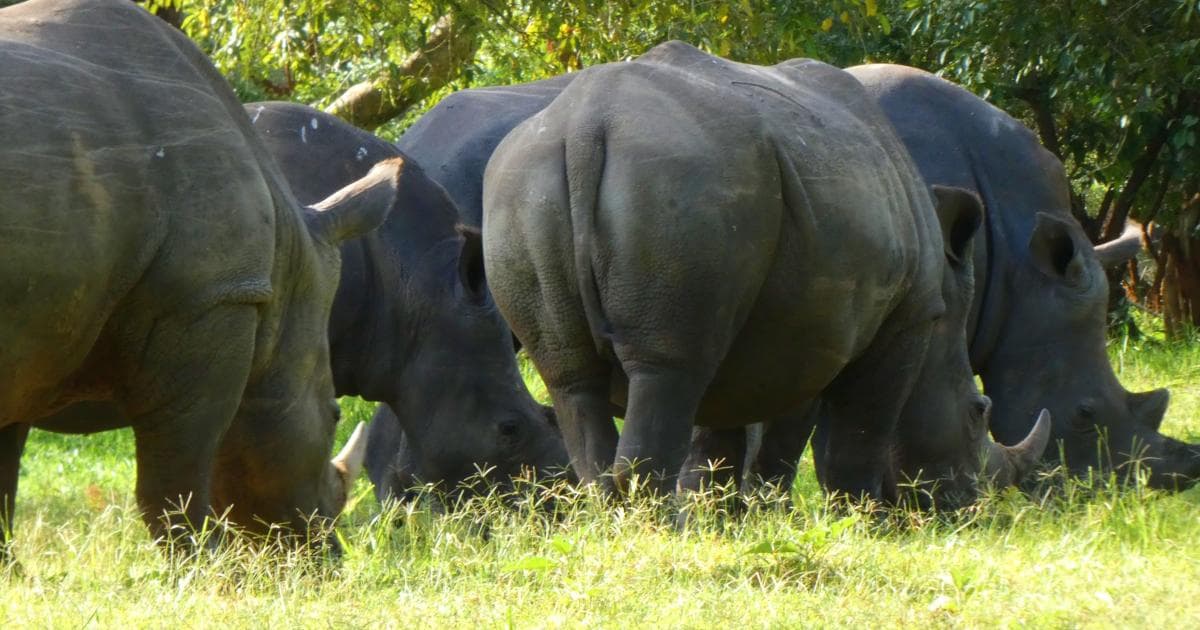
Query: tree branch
[
  {"x": 1114, "y": 223},
  {"x": 451, "y": 45},
  {"x": 1033, "y": 91}
]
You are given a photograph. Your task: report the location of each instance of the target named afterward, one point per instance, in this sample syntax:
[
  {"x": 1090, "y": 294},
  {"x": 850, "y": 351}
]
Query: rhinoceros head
[
  {"x": 944, "y": 447},
  {"x": 413, "y": 324},
  {"x": 460, "y": 396},
  {"x": 1064, "y": 367},
  {"x": 441, "y": 355},
  {"x": 273, "y": 466}
]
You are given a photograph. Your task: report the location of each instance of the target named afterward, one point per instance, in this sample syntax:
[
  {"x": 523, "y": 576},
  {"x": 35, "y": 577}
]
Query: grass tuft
[{"x": 1077, "y": 553}]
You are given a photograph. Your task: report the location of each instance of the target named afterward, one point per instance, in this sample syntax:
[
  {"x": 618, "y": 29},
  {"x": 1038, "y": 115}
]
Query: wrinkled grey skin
[
  {"x": 413, "y": 324},
  {"x": 1037, "y": 327},
  {"x": 158, "y": 272},
  {"x": 955, "y": 139},
  {"x": 645, "y": 254},
  {"x": 1037, "y": 332}
]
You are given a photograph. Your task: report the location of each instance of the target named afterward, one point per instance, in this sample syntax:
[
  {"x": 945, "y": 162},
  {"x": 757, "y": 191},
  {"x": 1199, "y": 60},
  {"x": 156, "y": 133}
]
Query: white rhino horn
[
  {"x": 349, "y": 460},
  {"x": 1122, "y": 248}
]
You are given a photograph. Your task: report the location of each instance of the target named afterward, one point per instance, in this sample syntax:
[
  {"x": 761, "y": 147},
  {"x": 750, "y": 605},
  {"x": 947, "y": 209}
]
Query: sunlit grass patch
[{"x": 1087, "y": 553}]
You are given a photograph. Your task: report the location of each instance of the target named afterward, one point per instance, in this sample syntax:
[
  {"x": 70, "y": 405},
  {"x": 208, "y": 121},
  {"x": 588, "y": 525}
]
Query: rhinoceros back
[
  {"x": 124, "y": 178},
  {"x": 454, "y": 140}
]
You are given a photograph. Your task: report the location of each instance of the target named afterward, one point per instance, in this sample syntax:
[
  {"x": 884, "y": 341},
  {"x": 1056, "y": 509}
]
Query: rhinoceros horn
[
  {"x": 349, "y": 460},
  {"x": 1122, "y": 248},
  {"x": 1006, "y": 465}
]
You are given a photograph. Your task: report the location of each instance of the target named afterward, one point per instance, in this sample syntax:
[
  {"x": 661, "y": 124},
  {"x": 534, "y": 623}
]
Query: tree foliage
[
  {"x": 1111, "y": 86},
  {"x": 316, "y": 50}
]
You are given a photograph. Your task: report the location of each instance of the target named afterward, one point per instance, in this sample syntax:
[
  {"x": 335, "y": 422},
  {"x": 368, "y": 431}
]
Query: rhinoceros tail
[{"x": 584, "y": 163}]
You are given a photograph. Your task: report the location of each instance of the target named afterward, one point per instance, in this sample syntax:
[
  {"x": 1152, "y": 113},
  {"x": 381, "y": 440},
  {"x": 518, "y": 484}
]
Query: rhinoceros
[
  {"x": 704, "y": 242},
  {"x": 413, "y": 324},
  {"x": 945, "y": 128},
  {"x": 158, "y": 271},
  {"x": 1037, "y": 327}
]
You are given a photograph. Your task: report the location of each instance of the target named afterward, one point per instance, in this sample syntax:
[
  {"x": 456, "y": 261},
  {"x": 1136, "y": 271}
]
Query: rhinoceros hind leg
[
  {"x": 713, "y": 470},
  {"x": 584, "y": 414},
  {"x": 658, "y": 426},
  {"x": 782, "y": 445}
]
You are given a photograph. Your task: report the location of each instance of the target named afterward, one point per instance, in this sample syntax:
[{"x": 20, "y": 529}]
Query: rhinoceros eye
[
  {"x": 1084, "y": 418},
  {"x": 509, "y": 430}
]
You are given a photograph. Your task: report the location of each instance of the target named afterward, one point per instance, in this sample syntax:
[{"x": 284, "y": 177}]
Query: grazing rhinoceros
[
  {"x": 413, "y": 324},
  {"x": 1037, "y": 327},
  {"x": 708, "y": 242},
  {"x": 1015, "y": 177},
  {"x": 158, "y": 271}
]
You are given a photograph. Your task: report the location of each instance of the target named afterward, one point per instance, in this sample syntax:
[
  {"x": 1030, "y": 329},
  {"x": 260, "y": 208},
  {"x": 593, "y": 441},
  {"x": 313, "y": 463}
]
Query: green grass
[{"x": 1094, "y": 557}]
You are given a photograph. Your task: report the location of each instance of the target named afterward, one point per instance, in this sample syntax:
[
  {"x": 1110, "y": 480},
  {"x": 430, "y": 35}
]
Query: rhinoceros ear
[
  {"x": 470, "y": 262},
  {"x": 1055, "y": 250},
  {"x": 1149, "y": 408},
  {"x": 960, "y": 213},
  {"x": 359, "y": 207}
]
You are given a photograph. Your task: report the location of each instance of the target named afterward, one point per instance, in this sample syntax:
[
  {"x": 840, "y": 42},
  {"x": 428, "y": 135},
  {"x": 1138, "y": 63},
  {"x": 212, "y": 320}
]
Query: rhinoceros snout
[{"x": 1177, "y": 467}]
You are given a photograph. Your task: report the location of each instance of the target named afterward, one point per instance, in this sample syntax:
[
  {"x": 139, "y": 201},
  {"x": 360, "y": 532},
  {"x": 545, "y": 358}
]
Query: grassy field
[{"x": 1089, "y": 556}]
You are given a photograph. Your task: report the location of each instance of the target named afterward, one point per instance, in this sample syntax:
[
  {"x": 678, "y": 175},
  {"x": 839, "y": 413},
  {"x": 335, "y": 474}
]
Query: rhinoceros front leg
[
  {"x": 391, "y": 461},
  {"x": 863, "y": 405},
  {"x": 782, "y": 444},
  {"x": 193, "y": 374},
  {"x": 716, "y": 458},
  {"x": 714, "y": 463},
  {"x": 12, "y": 444}
]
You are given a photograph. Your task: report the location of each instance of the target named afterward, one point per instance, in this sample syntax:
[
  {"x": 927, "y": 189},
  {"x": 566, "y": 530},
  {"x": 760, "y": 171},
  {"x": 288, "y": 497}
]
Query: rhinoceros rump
[
  {"x": 662, "y": 227},
  {"x": 158, "y": 271}
]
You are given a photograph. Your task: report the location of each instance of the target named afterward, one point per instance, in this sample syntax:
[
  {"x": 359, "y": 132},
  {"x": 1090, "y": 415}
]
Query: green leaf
[
  {"x": 529, "y": 563},
  {"x": 773, "y": 546},
  {"x": 842, "y": 524},
  {"x": 817, "y": 537},
  {"x": 562, "y": 545}
]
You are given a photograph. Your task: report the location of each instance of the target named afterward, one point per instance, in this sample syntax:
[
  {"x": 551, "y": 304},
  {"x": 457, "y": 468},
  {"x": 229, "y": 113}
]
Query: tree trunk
[
  {"x": 1036, "y": 94},
  {"x": 451, "y": 46},
  {"x": 1180, "y": 291},
  {"x": 1170, "y": 290},
  {"x": 1114, "y": 223}
]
